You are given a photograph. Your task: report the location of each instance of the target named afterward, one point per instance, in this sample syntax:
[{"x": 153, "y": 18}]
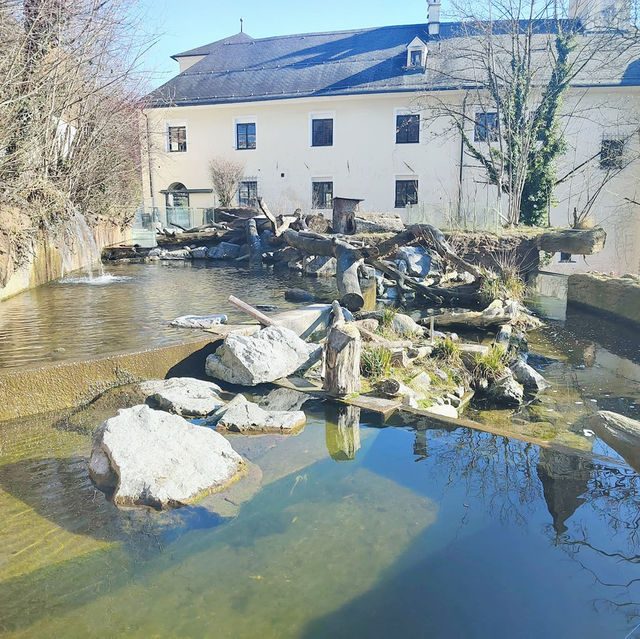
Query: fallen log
[
  {"x": 495, "y": 315},
  {"x": 465, "y": 295},
  {"x": 347, "y": 258},
  {"x": 341, "y": 356}
]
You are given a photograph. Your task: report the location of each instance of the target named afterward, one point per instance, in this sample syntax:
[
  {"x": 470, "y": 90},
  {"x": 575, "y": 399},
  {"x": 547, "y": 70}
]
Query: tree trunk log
[
  {"x": 341, "y": 356},
  {"x": 253, "y": 239}
]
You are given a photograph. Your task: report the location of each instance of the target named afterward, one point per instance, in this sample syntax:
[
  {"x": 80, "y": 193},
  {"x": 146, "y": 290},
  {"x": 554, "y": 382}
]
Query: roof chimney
[{"x": 433, "y": 17}]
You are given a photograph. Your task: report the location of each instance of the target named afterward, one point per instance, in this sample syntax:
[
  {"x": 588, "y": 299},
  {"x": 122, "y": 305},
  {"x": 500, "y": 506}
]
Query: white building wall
[{"x": 365, "y": 160}]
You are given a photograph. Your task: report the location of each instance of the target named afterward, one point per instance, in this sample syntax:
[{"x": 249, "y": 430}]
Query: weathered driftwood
[
  {"x": 464, "y": 295},
  {"x": 574, "y": 241},
  {"x": 347, "y": 258},
  {"x": 369, "y": 336},
  {"x": 495, "y": 315},
  {"x": 432, "y": 236},
  {"x": 341, "y": 356},
  {"x": 252, "y": 312},
  {"x": 317, "y": 223}
]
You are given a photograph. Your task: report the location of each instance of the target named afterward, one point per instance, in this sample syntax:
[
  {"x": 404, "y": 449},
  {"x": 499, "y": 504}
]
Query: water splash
[
  {"x": 78, "y": 238},
  {"x": 99, "y": 280}
]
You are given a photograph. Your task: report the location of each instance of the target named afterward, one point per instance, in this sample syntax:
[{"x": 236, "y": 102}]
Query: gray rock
[
  {"x": 156, "y": 252},
  {"x": 267, "y": 307},
  {"x": 404, "y": 325},
  {"x": 284, "y": 399},
  {"x": 321, "y": 266},
  {"x": 506, "y": 391},
  {"x": 199, "y": 253},
  {"x": 224, "y": 251},
  {"x": 178, "y": 254},
  {"x": 152, "y": 458},
  {"x": 265, "y": 356},
  {"x": 183, "y": 395},
  {"x": 298, "y": 295},
  {"x": 421, "y": 382},
  {"x": 528, "y": 377},
  {"x": 417, "y": 259},
  {"x": 503, "y": 336},
  {"x": 240, "y": 415},
  {"x": 199, "y": 321}
]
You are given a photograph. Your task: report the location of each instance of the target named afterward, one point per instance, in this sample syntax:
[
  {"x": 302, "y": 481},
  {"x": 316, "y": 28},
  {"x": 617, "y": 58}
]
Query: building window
[
  {"x": 565, "y": 258},
  {"x": 248, "y": 193},
  {"x": 246, "y": 135},
  {"x": 177, "y": 139},
  {"x": 406, "y": 193},
  {"x": 612, "y": 153},
  {"x": 322, "y": 132},
  {"x": 322, "y": 196},
  {"x": 407, "y": 129},
  {"x": 486, "y": 129},
  {"x": 177, "y": 196},
  {"x": 415, "y": 58}
]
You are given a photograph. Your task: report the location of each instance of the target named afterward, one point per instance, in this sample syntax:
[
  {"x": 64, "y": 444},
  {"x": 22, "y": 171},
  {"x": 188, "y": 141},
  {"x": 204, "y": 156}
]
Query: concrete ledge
[
  {"x": 614, "y": 296},
  {"x": 69, "y": 384}
]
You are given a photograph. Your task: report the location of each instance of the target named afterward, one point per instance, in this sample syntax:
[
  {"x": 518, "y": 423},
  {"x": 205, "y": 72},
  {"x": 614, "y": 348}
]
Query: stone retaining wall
[
  {"x": 616, "y": 296},
  {"x": 69, "y": 384}
]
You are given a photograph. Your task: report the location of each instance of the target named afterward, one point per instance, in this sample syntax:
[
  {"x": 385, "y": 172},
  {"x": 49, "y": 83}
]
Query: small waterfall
[{"x": 78, "y": 238}]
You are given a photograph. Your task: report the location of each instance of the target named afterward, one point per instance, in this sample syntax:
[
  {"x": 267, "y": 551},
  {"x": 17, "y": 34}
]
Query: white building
[{"x": 346, "y": 114}]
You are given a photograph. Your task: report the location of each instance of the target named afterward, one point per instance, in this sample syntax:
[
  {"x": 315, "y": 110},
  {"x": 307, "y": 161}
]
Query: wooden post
[
  {"x": 344, "y": 215},
  {"x": 341, "y": 356}
]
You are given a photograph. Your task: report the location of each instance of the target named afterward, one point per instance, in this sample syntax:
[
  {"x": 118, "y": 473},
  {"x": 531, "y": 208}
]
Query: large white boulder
[
  {"x": 265, "y": 356},
  {"x": 146, "y": 457},
  {"x": 241, "y": 415},
  {"x": 199, "y": 321},
  {"x": 183, "y": 395}
]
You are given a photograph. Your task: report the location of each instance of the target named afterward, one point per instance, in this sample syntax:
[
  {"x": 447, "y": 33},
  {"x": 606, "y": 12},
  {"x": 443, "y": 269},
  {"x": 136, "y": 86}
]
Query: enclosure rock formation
[
  {"x": 183, "y": 395},
  {"x": 241, "y": 415},
  {"x": 145, "y": 457},
  {"x": 269, "y": 354}
]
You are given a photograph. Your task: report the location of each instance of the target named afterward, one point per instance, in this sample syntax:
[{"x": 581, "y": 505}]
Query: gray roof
[{"x": 243, "y": 69}]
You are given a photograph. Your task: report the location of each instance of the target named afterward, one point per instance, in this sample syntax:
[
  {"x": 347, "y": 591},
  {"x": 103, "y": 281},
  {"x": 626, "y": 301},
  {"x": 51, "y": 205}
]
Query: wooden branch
[{"x": 252, "y": 312}]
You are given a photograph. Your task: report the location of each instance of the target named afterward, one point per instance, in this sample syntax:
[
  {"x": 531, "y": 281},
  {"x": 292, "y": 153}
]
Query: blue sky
[{"x": 186, "y": 24}]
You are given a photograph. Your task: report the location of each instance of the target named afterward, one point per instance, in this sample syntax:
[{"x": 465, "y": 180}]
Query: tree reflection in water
[{"x": 594, "y": 507}]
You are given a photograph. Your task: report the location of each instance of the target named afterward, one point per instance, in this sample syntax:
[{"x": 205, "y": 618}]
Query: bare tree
[
  {"x": 516, "y": 63},
  {"x": 225, "y": 176},
  {"x": 70, "y": 91}
]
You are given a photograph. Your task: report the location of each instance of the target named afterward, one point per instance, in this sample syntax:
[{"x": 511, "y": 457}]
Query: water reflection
[{"x": 342, "y": 431}]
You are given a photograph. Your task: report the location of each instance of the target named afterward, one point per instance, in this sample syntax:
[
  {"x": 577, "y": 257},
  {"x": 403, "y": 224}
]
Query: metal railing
[{"x": 149, "y": 218}]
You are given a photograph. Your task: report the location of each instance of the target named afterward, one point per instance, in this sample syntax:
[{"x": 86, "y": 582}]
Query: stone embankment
[{"x": 615, "y": 296}]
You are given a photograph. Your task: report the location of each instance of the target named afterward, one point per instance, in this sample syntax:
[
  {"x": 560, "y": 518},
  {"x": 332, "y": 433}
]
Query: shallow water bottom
[{"x": 350, "y": 528}]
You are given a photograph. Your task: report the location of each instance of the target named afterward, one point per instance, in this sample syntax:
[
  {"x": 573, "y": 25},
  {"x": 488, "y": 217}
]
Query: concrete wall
[
  {"x": 46, "y": 263},
  {"x": 365, "y": 160}
]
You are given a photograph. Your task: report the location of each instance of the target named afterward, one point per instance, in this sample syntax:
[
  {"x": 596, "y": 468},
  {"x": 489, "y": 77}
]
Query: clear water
[
  {"x": 423, "y": 533},
  {"x": 129, "y": 307}
]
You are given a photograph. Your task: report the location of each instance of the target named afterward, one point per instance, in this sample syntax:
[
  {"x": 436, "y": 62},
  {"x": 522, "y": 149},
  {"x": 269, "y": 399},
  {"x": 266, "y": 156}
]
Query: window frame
[
  {"x": 250, "y": 202},
  {"x": 405, "y": 181},
  {"x": 247, "y": 145},
  {"x": 321, "y": 118},
  {"x": 482, "y": 131},
  {"x": 314, "y": 201},
  {"x": 401, "y": 128},
  {"x": 611, "y": 158},
  {"x": 171, "y": 126}
]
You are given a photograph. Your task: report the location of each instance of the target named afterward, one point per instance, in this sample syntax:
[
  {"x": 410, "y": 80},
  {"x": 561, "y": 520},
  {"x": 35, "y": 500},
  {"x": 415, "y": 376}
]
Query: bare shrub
[{"x": 225, "y": 175}]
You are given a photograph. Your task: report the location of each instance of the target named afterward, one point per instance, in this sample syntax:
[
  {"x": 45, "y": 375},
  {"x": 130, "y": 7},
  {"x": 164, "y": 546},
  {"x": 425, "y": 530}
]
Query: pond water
[
  {"x": 352, "y": 528},
  {"x": 130, "y": 307}
]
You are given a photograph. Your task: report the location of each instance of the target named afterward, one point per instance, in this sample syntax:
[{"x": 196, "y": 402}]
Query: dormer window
[{"x": 416, "y": 54}]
